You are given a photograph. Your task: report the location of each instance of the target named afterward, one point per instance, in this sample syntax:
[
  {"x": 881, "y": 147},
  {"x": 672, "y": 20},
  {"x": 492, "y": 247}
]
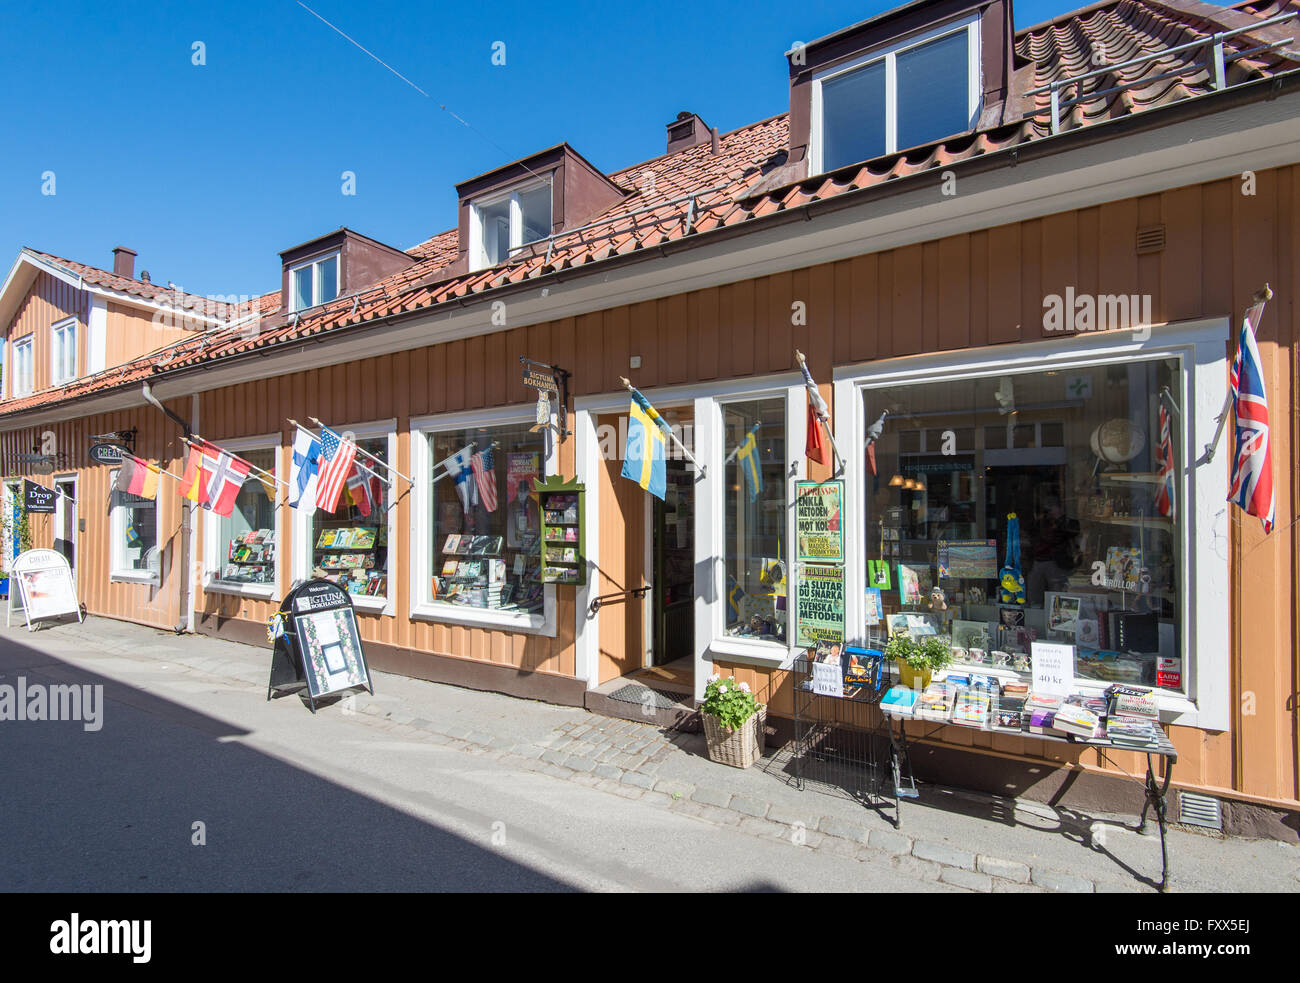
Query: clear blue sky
[{"x": 207, "y": 172}]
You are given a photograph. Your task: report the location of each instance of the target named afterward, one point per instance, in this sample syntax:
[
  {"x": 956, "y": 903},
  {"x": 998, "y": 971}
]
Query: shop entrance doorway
[{"x": 672, "y": 550}]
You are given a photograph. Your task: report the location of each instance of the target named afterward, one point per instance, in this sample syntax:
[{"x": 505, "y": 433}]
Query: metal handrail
[
  {"x": 1214, "y": 41},
  {"x": 597, "y": 602}
]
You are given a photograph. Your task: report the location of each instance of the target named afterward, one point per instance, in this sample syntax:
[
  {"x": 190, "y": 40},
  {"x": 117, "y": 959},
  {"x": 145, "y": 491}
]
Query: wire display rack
[{"x": 841, "y": 744}]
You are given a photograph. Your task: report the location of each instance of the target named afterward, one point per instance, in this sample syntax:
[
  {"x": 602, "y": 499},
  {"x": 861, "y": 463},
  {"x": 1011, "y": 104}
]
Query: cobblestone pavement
[{"x": 959, "y": 840}]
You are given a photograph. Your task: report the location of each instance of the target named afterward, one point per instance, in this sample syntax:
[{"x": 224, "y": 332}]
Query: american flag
[
  {"x": 485, "y": 476},
  {"x": 1165, "y": 497},
  {"x": 337, "y": 456},
  {"x": 1252, "y": 463}
]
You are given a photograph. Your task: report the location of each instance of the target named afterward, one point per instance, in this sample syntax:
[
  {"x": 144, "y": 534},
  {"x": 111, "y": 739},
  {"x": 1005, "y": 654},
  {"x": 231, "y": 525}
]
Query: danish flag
[{"x": 1251, "y": 482}]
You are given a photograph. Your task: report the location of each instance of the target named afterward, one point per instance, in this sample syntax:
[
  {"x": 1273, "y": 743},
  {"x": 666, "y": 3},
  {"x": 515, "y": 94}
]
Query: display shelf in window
[
  {"x": 354, "y": 557},
  {"x": 563, "y": 554},
  {"x": 250, "y": 558},
  {"x": 478, "y": 572}
]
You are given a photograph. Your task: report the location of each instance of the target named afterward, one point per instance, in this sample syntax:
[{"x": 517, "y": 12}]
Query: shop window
[
  {"x": 133, "y": 521},
  {"x": 246, "y": 540},
  {"x": 755, "y": 519},
  {"x": 1099, "y": 531},
  {"x": 486, "y": 525},
  {"x": 350, "y": 546}
]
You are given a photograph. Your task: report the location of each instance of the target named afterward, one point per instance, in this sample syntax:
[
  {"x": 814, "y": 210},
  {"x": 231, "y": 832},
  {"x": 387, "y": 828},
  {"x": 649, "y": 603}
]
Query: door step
[{"x": 626, "y": 699}]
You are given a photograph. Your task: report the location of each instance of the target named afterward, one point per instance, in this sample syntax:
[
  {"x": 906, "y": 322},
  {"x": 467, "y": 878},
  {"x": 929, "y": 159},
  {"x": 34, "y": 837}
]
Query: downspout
[{"x": 185, "y": 593}]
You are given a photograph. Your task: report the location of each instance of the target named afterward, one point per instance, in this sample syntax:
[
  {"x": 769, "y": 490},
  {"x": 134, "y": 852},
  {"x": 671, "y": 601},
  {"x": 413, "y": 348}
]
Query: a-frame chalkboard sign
[{"x": 320, "y": 647}]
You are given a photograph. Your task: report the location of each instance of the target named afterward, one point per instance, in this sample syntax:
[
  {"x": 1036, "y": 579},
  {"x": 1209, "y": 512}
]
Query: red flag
[
  {"x": 871, "y": 456},
  {"x": 359, "y": 488},
  {"x": 815, "y": 447}
]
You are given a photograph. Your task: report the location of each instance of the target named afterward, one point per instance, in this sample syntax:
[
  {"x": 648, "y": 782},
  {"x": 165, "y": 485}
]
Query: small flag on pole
[
  {"x": 225, "y": 477},
  {"x": 747, "y": 458},
  {"x": 644, "y": 458},
  {"x": 137, "y": 477},
  {"x": 193, "y": 486},
  {"x": 1251, "y": 482},
  {"x": 304, "y": 472},
  {"x": 818, "y": 416},
  {"x": 337, "y": 456},
  {"x": 485, "y": 477},
  {"x": 1165, "y": 496},
  {"x": 359, "y": 490},
  {"x": 461, "y": 471}
]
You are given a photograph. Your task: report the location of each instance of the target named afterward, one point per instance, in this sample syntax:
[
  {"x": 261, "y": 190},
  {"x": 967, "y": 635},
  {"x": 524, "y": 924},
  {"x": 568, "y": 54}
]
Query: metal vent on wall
[
  {"x": 1151, "y": 239},
  {"x": 1195, "y": 809}
]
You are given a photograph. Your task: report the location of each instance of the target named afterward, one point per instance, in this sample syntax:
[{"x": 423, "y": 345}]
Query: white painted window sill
[
  {"x": 775, "y": 655},
  {"x": 462, "y": 614},
  {"x": 134, "y": 577},
  {"x": 260, "y": 591},
  {"x": 372, "y": 605}
]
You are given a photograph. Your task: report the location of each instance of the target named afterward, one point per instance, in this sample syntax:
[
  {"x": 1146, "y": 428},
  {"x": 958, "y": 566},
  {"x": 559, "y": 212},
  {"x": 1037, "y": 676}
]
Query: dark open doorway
[{"x": 674, "y": 568}]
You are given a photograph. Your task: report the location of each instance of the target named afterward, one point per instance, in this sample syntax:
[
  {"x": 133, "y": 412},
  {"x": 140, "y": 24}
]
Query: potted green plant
[
  {"x": 733, "y": 722},
  {"x": 918, "y": 660}
]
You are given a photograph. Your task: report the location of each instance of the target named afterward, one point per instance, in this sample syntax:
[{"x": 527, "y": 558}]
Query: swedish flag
[
  {"x": 747, "y": 458},
  {"x": 735, "y": 598},
  {"x": 643, "y": 458}
]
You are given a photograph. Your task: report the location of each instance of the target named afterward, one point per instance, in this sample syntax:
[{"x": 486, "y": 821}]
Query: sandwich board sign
[
  {"x": 319, "y": 645},
  {"x": 41, "y": 582}
]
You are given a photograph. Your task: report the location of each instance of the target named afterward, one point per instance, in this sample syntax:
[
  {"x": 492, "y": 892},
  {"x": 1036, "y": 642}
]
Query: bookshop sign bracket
[{"x": 548, "y": 379}]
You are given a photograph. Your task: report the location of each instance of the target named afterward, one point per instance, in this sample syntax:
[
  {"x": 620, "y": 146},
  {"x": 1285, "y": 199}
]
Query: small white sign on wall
[{"x": 1053, "y": 668}]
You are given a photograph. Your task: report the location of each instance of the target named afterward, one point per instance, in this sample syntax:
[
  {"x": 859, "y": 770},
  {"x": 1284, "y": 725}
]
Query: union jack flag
[
  {"x": 1165, "y": 497},
  {"x": 485, "y": 476},
  {"x": 1251, "y": 483}
]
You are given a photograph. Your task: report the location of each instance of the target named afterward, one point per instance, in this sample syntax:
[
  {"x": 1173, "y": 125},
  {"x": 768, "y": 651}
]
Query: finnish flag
[{"x": 304, "y": 472}]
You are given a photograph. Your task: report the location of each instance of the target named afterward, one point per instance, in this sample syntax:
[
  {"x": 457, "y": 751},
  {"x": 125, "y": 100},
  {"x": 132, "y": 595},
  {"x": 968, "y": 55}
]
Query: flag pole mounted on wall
[
  {"x": 372, "y": 457},
  {"x": 817, "y": 409},
  {"x": 194, "y": 440},
  {"x": 668, "y": 431},
  {"x": 1260, "y": 298},
  {"x": 468, "y": 446}
]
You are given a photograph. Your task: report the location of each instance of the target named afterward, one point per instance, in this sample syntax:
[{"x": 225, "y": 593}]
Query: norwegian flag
[
  {"x": 485, "y": 476},
  {"x": 364, "y": 489},
  {"x": 1251, "y": 483},
  {"x": 1165, "y": 497},
  {"x": 337, "y": 456}
]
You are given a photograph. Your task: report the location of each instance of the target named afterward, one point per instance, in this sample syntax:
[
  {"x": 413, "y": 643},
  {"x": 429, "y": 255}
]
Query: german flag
[{"x": 137, "y": 477}]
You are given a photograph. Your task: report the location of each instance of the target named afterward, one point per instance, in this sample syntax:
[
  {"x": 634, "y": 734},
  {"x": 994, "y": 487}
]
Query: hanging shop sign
[
  {"x": 41, "y": 582},
  {"x": 317, "y": 644},
  {"x": 37, "y": 498},
  {"x": 106, "y": 453},
  {"x": 818, "y": 516},
  {"x": 548, "y": 380},
  {"x": 819, "y": 605}
]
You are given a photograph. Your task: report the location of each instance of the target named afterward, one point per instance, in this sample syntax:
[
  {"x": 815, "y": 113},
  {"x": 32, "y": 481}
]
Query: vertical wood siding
[
  {"x": 964, "y": 291},
  {"x": 48, "y": 301}
]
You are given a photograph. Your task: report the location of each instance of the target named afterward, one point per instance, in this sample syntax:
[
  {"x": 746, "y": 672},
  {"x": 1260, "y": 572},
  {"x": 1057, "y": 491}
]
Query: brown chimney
[
  {"x": 124, "y": 262},
  {"x": 687, "y": 130}
]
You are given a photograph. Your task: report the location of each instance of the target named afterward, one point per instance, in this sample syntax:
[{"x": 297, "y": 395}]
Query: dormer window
[
  {"x": 314, "y": 282},
  {"x": 896, "y": 96},
  {"x": 506, "y": 221}
]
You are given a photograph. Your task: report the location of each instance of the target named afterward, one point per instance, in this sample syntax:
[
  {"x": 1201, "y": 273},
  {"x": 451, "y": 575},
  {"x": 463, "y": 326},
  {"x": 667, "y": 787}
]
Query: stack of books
[
  {"x": 1134, "y": 717},
  {"x": 900, "y": 701},
  {"x": 971, "y": 707},
  {"x": 1076, "y": 720},
  {"x": 935, "y": 703},
  {"x": 1042, "y": 715},
  {"x": 1009, "y": 714}
]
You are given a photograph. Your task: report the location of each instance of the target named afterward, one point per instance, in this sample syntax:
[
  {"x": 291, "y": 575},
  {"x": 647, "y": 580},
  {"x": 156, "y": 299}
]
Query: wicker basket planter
[{"x": 739, "y": 748}]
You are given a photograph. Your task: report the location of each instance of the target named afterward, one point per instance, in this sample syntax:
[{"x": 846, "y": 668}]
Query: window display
[
  {"x": 1033, "y": 507},
  {"x": 754, "y": 503},
  {"x": 350, "y": 545},
  {"x": 487, "y": 523},
  {"x": 135, "y": 531},
  {"x": 246, "y": 541}
]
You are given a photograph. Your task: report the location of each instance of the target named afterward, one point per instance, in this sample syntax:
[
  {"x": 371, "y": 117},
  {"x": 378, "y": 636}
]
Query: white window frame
[
  {"x": 709, "y": 518},
  {"x": 9, "y": 492},
  {"x": 478, "y": 259},
  {"x": 888, "y": 53},
  {"x": 422, "y": 606},
  {"x": 59, "y": 332},
  {"x": 23, "y": 376},
  {"x": 1201, "y": 491},
  {"x": 117, "y": 533},
  {"x": 316, "y": 262},
  {"x": 214, "y": 560},
  {"x": 303, "y": 543}
]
